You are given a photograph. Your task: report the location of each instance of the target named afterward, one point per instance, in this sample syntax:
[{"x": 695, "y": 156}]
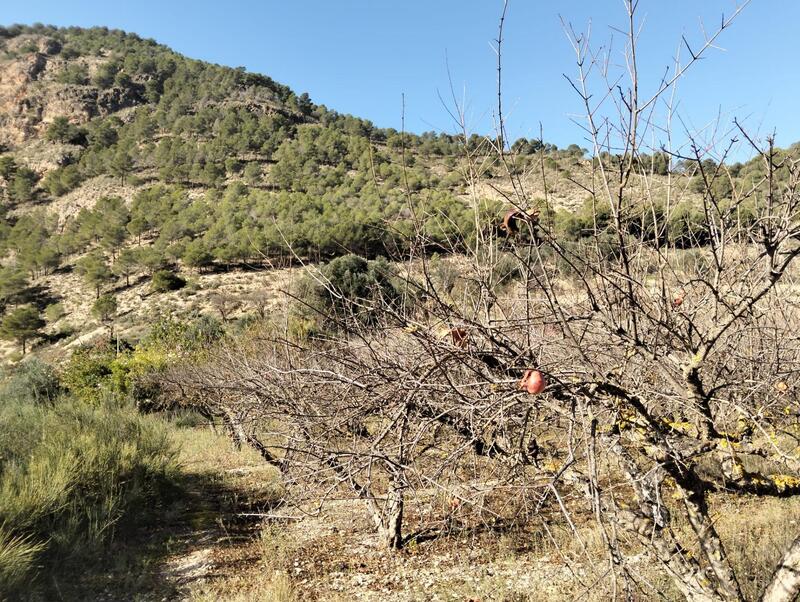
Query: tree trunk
[
  {"x": 390, "y": 530},
  {"x": 235, "y": 430},
  {"x": 388, "y": 519},
  {"x": 785, "y": 583},
  {"x": 241, "y": 437},
  {"x": 697, "y": 512}
]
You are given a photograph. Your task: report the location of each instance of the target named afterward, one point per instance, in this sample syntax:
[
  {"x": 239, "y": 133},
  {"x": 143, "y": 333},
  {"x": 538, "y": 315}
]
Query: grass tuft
[{"x": 71, "y": 477}]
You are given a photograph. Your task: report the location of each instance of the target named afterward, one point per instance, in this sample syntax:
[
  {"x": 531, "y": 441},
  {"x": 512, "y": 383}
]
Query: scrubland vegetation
[
  {"x": 470, "y": 387},
  {"x": 75, "y": 474}
]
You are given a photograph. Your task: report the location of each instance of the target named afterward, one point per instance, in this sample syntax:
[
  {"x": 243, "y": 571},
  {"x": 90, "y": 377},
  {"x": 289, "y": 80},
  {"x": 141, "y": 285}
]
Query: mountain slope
[{"x": 121, "y": 159}]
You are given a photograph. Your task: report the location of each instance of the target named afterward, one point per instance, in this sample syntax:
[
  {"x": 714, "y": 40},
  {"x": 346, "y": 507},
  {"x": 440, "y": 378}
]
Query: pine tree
[
  {"x": 12, "y": 282},
  {"x": 95, "y": 270},
  {"x": 105, "y": 310},
  {"x": 61, "y": 130},
  {"x": 121, "y": 164},
  {"x": 22, "y": 325},
  {"x": 126, "y": 264}
]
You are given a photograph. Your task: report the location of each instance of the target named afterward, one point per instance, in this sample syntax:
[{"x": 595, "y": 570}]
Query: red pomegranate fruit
[{"x": 532, "y": 381}]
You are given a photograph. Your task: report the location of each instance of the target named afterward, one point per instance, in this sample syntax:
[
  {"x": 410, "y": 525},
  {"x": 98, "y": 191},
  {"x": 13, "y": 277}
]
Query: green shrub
[
  {"x": 75, "y": 74},
  {"x": 54, "y": 312},
  {"x": 60, "y": 181},
  {"x": 593, "y": 216},
  {"x": 349, "y": 287},
  {"x": 31, "y": 381},
  {"x": 87, "y": 375},
  {"x": 687, "y": 226},
  {"x": 66, "y": 330},
  {"x": 164, "y": 281},
  {"x": 71, "y": 476},
  {"x": 183, "y": 337},
  {"x": 102, "y": 373}
]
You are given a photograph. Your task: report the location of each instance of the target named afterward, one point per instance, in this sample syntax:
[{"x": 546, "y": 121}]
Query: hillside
[
  {"x": 124, "y": 155},
  {"x": 202, "y": 168}
]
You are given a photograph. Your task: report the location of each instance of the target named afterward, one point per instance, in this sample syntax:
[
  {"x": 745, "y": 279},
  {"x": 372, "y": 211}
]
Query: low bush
[
  {"x": 32, "y": 381},
  {"x": 54, "y": 312},
  {"x": 348, "y": 287},
  {"x": 70, "y": 475},
  {"x": 164, "y": 281}
]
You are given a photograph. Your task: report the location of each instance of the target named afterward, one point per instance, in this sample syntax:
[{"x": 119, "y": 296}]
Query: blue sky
[{"x": 360, "y": 56}]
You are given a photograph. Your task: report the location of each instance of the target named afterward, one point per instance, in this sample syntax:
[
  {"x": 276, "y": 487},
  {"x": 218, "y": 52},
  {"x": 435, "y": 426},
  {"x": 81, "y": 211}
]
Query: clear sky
[{"x": 359, "y": 56}]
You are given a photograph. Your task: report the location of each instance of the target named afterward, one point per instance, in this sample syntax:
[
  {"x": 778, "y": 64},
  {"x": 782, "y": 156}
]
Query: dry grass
[
  {"x": 220, "y": 559},
  {"x": 205, "y": 450},
  {"x": 275, "y": 587},
  {"x": 756, "y": 533},
  {"x": 275, "y": 546}
]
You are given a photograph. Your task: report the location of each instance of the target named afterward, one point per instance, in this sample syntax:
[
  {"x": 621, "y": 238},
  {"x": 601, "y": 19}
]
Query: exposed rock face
[
  {"x": 49, "y": 46},
  {"x": 30, "y": 96},
  {"x": 43, "y": 156},
  {"x": 17, "y": 112},
  {"x": 40, "y": 43}
]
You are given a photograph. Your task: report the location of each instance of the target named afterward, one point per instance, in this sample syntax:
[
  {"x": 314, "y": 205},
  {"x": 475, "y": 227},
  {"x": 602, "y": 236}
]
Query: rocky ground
[{"x": 234, "y": 544}]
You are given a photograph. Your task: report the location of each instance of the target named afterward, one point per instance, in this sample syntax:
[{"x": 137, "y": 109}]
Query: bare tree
[
  {"x": 225, "y": 303},
  {"x": 667, "y": 368},
  {"x": 259, "y": 301}
]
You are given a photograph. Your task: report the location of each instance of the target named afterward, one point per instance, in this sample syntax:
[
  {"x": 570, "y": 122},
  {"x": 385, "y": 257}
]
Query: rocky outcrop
[
  {"x": 31, "y": 97},
  {"x": 43, "y": 156},
  {"x": 39, "y": 43},
  {"x": 17, "y": 111}
]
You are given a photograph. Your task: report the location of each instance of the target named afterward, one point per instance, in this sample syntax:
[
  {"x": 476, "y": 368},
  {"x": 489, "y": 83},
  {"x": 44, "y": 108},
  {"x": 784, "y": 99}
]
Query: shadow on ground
[{"x": 167, "y": 549}]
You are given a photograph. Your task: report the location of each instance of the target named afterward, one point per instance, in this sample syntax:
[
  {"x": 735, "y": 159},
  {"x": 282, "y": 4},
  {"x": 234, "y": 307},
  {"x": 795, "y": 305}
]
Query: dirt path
[
  {"x": 221, "y": 554},
  {"x": 228, "y": 492},
  {"x": 205, "y": 533}
]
